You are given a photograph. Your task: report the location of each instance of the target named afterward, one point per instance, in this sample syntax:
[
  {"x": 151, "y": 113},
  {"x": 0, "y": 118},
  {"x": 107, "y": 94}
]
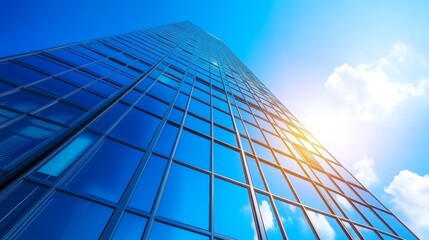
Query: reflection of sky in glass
[
  {"x": 268, "y": 217},
  {"x": 350, "y": 211},
  {"x": 227, "y": 162},
  {"x": 307, "y": 193},
  {"x": 327, "y": 227},
  {"x": 168, "y": 232},
  {"x": 233, "y": 214},
  {"x": 186, "y": 197},
  {"x": 276, "y": 181},
  {"x": 294, "y": 221},
  {"x": 399, "y": 228}
]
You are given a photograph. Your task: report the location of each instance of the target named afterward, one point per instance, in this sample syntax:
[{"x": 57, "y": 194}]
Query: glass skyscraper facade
[{"x": 165, "y": 134}]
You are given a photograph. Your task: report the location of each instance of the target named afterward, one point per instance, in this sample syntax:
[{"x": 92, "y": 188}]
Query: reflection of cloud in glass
[
  {"x": 343, "y": 201},
  {"x": 267, "y": 215},
  {"x": 322, "y": 225}
]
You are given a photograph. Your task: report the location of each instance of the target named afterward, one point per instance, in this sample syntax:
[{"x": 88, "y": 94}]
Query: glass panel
[
  {"x": 24, "y": 101},
  {"x": 197, "y": 124},
  {"x": 264, "y": 153},
  {"x": 269, "y": 219},
  {"x": 397, "y": 226},
  {"x": 255, "y": 174},
  {"x": 162, "y": 91},
  {"x": 372, "y": 217},
  {"x": 276, "y": 181},
  {"x": 152, "y": 105},
  {"x": 107, "y": 172},
  {"x": 350, "y": 230},
  {"x": 54, "y": 86},
  {"x": 294, "y": 222},
  {"x": 130, "y": 227},
  {"x": 148, "y": 185},
  {"x": 108, "y": 118},
  {"x": 168, "y": 232},
  {"x": 367, "y": 233},
  {"x": 222, "y": 119},
  {"x": 348, "y": 208},
  {"x": 85, "y": 99},
  {"x": 68, "y": 217},
  {"x": 166, "y": 140},
  {"x": 168, "y": 80},
  {"x": 225, "y": 136},
  {"x": 61, "y": 112},
  {"x": 76, "y": 77},
  {"x": 233, "y": 213},
  {"x": 307, "y": 193},
  {"x": 68, "y": 155},
  {"x": 327, "y": 227},
  {"x": 18, "y": 74},
  {"x": 193, "y": 149},
  {"x": 186, "y": 197},
  {"x": 289, "y": 163},
  {"x": 228, "y": 162},
  {"x": 199, "y": 108},
  {"x": 136, "y": 128}
]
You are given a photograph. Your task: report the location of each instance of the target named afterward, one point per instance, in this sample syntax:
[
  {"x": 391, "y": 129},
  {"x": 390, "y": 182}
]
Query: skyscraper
[{"x": 165, "y": 134}]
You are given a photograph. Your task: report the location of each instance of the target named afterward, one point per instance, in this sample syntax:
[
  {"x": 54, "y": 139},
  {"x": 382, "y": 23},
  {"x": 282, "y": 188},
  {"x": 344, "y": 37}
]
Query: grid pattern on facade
[{"x": 165, "y": 134}]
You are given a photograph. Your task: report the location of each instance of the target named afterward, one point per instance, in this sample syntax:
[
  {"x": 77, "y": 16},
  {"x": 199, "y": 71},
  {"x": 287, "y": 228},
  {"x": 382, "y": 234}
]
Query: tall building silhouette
[{"x": 165, "y": 134}]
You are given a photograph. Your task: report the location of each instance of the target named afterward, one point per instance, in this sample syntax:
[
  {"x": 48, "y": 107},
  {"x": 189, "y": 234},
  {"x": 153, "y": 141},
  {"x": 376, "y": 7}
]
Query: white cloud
[
  {"x": 322, "y": 225},
  {"x": 410, "y": 200},
  {"x": 267, "y": 215},
  {"x": 374, "y": 89},
  {"x": 364, "y": 171}
]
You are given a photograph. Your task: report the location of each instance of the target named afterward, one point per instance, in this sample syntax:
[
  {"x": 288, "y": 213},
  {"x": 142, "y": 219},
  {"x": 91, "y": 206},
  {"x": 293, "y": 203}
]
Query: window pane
[
  {"x": 168, "y": 232},
  {"x": 152, "y": 105},
  {"x": 255, "y": 174},
  {"x": 24, "y": 101},
  {"x": 233, "y": 213},
  {"x": 130, "y": 227},
  {"x": 222, "y": 119},
  {"x": 148, "y": 185},
  {"x": 61, "y": 112},
  {"x": 327, "y": 227},
  {"x": 264, "y": 152},
  {"x": 186, "y": 197},
  {"x": 294, "y": 222},
  {"x": 68, "y": 155},
  {"x": 269, "y": 219},
  {"x": 18, "y": 74},
  {"x": 85, "y": 99},
  {"x": 136, "y": 128},
  {"x": 162, "y": 91},
  {"x": 108, "y": 118},
  {"x": 228, "y": 162},
  {"x": 276, "y": 182},
  {"x": 348, "y": 209},
  {"x": 199, "y": 108},
  {"x": 397, "y": 226},
  {"x": 166, "y": 139},
  {"x": 289, "y": 163},
  {"x": 193, "y": 149},
  {"x": 307, "y": 193},
  {"x": 225, "y": 136},
  {"x": 197, "y": 124},
  {"x": 372, "y": 218},
  {"x": 107, "y": 172},
  {"x": 68, "y": 217}
]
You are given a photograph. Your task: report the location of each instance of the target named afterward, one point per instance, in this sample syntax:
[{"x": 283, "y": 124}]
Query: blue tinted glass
[
  {"x": 225, "y": 136},
  {"x": 222, "y": 119},
  {"x": 289, "y": 163},
  {"x": 68, "y": 217},
  {"x": 397, "y": 226},
  {"x": 197, "y": 124},
  {"x": 61, "y": 112},
  {"x": 228, "y": 162},
  {"x": 24, "y": 101},
  {"x": 54, "y": 86},
  {"x": 132, "y": 97},
  {"x": 136, "y": 128},
  {"x": 56, "y": 165},
  {"x": 275, "y": 142},
  {"x": 18, "y": 74},
  {"x": 348, "y": 209},
  {"x": 264, "y": 152},
  {"x": 6, "y": 115},
  {"x": 193, "y": 149},
  {"x": 254, "y": 132},
  {"x": 220, "y": 104},
  {"x": 181, "y": 101},
  {"x": 85, "y": 99},
  {"x": 152, "y": 105},
  {"x": 130, "y": 227},
  {"x": 294, "y": 222},
  {"x": 120, "y": 78},
  {"x": 168, "y": 232},
  {"x": 307, "y": 193},
  {"x": 326, "y": 227},
  {"x": 162, "y": 91},
  {"x": 102, "y": 87},
  {"x": 372, "y": 218},
  {"x": 166, "y": 140},
  {"x": 70, "y": 57},
  {"x": 148, "y": 184},
  {"x": 107, "y": 172},
  {"x": 77, "y": 78},
  {"x": 255, "y": 174},
  {"x": 269, "y": 219},
  {"x": 99, "y": 69},
  {"x": 176, "y": 116},
  {"x": 186, "y": 192},
  {"x": 233, "y": 213},
  {"x": 368, "y": 197},
  {"x": 246, "y": 145},
  {"x": 50, "y": 66},
  {"x": 199, "y": 108},
  {"x": 201, "y": 95},
  {"x": 350, "y": 230},
  {"x": 4, "y": 87},
  {"x": 21, "y": 136},
  {"x": 276, "y": 181},
  {"x": 108, "y": 118},
  {"x": 367, "y": 233},
  {"x": 168, "y": 80}
]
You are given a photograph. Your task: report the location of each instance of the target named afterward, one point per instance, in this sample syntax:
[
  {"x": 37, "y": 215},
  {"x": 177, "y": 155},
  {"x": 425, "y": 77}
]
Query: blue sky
[{"x": 356, "y": 73}]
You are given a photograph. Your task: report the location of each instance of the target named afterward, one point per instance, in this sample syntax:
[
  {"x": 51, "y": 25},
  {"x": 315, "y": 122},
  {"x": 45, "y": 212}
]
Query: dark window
[
  {"x": 130, "y": 227},
  {"x": 18, "y": 75}
]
